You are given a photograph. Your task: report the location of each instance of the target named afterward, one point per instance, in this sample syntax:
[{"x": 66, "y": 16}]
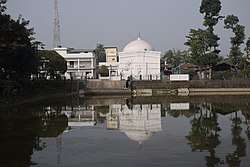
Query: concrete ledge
[
  {"x": 106, "y": 92},
  {"x": 144, "y": 92},
  {"x": 219, "y": 91},
  {"x": 183, "y": 92}
]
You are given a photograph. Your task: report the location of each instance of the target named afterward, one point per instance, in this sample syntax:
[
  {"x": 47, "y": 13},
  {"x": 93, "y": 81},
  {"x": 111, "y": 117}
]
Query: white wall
[
  {"x": 138, "y": 63},
  {"x": 84, "y": 62}
]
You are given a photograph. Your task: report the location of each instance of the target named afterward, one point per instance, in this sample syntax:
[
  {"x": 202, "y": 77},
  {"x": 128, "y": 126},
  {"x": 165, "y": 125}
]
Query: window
[{"x": 71, "y": 64}]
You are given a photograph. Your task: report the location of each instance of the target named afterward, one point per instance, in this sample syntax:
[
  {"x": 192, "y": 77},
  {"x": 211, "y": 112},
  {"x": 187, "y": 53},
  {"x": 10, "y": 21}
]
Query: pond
[{"x": 124, "y": 131}]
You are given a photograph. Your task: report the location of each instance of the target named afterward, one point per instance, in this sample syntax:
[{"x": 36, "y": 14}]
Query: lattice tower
[{"x": 56, "y": 39}]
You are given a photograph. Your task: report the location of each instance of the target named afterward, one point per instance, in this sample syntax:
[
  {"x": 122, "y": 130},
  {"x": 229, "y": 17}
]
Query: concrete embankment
[
  {"x": 161, "y": 88},
  {"x": 218, "y": 91},
  {"x": 193, "y": 87},
  {"x": 96, "y": 87}
]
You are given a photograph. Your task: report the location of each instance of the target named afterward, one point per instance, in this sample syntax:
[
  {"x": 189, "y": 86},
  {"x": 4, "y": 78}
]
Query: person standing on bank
[{"x": 128, "y": 83}]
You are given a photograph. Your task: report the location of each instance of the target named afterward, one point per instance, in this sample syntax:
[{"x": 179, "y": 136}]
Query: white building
[
  {"x": 81, "y": 63},
  {"x": 140, "y": 61}
]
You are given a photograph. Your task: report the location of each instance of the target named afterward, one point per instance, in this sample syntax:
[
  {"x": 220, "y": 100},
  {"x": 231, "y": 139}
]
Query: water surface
[{"x": 119, "y": 131}]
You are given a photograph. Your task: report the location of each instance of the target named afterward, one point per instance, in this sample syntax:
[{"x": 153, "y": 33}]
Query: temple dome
[
  {"x": 138, "y": 45},
  {"x": 139, "y": 136}
]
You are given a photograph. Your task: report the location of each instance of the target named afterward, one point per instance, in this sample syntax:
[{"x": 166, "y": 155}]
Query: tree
[
  {"x": 181, "y": 56},
  {"x": 103, "y": 71},
  {"x": 211, "y": 10},
  {"x": 247, "y": 49},
  {"x": 175, "y": 58},
  {"x": 2, "y": 7},
  {"x": 17, "y": 58},
  {"x": 52, "y": 63},
  {"x": 233, "y": 159},
  {"x": 203, "y": 43},
  {"x": 197, "y": 41},
  {"x": 100, "y": 53},
  {"x": 204, "y": 135},
  {"x": 169, "y": 57},
  {"x": 235, "y": 56}
]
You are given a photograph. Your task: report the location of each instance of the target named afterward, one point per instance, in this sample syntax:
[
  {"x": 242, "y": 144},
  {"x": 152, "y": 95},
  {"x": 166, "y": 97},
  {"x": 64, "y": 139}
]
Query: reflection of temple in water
[
  {"x": 138, "y": 122},
  {"x": 80, "y": 116},
  {"x": 141, "y": 121}
]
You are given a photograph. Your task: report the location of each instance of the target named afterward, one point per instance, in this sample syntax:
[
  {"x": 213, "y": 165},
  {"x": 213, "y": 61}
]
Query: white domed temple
[{"x": 139, "y": 60}]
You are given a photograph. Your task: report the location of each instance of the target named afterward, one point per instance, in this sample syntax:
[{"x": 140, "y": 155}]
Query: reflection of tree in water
[
  {"x": 17, "y": 139},
  {"x": 21, "y": 129},
  {"x": 174, "y": 113},
  {"x": 204, "y": 134},
  {"x": 247, "y": 122},
  {"x": 233, "y": 159}
]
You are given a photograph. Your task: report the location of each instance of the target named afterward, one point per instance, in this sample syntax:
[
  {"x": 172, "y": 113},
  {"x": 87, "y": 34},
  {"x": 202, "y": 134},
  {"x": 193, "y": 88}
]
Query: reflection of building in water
[
  {"x": 113, "y": 116},
  {"x": 112, "y": 122},
  {"x": 179, "y": 106},
  {"x": 80, "y": 116},
  {"x": 140, "y": 122}
]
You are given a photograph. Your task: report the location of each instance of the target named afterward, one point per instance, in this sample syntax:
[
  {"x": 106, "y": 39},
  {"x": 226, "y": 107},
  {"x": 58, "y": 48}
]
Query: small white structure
[
  {"x": 139, "y": 60},
  {"x": 81, "y": 63},
  {"x": 179, "y": 77},
  {"x": 179, "y": 106}
]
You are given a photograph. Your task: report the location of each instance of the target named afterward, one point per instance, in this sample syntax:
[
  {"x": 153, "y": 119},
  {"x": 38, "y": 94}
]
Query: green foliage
[
  {"x": 54, "y": 65},
  {"x": 247, "y": 49},
  {"x": 203, "y": 43},
  {"x": 211, "y": 9},
  {"x": 17, "y": 58},
  {"x": 175, "y": 57},
  {"x": 235, "y": 56},
  {"x": 192, "y": 74},
  {"x": 103, "y": 71},
  {"x": 197, "y": 41},
  {"x": 224, "y": 75},
  {"x": 201, "y": 54},
  {"x": 100, "y": 53},
  {"x": 169, "y": 57},
  {"x": 231, "y": 21},
  {"x": 102, "y": 109},
  {"x": 2, "y": 7}
]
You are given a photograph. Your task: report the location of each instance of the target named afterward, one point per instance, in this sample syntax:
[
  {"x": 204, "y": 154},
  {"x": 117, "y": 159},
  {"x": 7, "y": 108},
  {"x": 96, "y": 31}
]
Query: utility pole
[{"x": 56, "y": 32}]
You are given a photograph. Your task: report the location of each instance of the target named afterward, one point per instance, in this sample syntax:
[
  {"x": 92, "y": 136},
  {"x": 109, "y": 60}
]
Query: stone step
[{"x": 105, "y": 85}]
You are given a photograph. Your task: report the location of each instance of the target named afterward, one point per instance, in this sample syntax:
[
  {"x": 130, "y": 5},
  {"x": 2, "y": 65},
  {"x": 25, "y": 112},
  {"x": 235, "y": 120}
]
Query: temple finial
[{"x": 139, "y": 35}]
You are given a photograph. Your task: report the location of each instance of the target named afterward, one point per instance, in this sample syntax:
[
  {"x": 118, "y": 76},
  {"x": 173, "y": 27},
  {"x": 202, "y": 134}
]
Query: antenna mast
[{"x": 56, "y": 39}]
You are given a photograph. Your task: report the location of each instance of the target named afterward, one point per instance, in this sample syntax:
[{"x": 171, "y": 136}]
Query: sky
[{"x": 163, "y": 23}]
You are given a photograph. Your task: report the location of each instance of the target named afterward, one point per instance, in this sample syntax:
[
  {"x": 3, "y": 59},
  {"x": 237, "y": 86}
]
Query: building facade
[
  {"x": 139, "y": 60},
  {"x": 111, "y": 63},
  {"x": 111, "y": 54},
  {"x": 80, "y": 63}
]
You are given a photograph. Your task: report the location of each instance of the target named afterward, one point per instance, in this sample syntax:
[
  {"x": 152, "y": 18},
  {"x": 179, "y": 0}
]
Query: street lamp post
[{"x": 110, "y": 71}]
